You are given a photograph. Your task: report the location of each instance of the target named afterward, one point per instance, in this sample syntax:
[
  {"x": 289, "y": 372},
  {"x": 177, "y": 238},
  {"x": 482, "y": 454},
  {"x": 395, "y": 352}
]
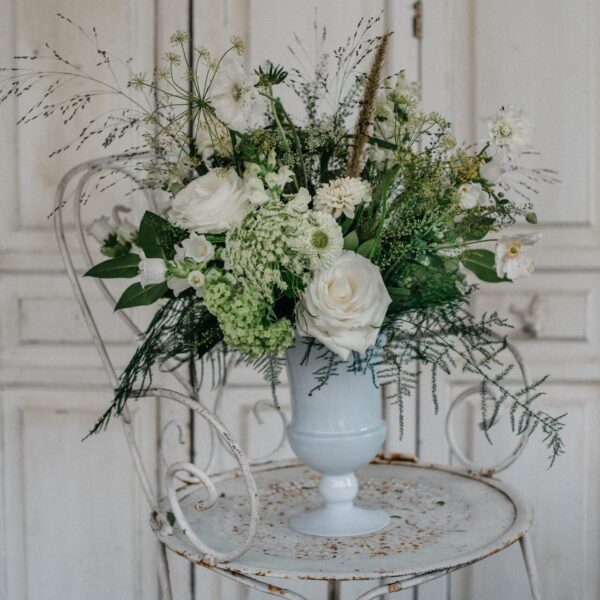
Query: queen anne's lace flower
[
  {"x": 257, "y": 251},
  {"x": 511, "y": 262},
  {"x": 342, "y": 196}
]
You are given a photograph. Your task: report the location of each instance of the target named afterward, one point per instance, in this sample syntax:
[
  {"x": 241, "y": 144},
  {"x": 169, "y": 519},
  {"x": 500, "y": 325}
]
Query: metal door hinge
[{"x": 418, "y": 19}]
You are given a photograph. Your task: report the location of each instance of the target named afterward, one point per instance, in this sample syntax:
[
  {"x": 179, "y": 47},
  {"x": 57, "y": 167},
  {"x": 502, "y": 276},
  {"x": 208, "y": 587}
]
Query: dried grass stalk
[{"x": 365, "y": 116}]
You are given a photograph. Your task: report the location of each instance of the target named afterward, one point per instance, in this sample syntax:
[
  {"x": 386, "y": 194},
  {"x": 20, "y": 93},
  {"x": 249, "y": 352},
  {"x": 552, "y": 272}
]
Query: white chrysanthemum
[
  {"x": 321, "y": 240},
  {"x": 342, "y": 196},
  {"x": 509, "y": 133},
  {"x": 235, "y": 98},
  {"x": 511, "y": 262}
]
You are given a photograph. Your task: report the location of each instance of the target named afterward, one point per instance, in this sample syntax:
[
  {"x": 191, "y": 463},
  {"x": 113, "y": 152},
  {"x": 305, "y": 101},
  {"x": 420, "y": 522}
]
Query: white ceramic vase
[{"x": 335, "y": 431}]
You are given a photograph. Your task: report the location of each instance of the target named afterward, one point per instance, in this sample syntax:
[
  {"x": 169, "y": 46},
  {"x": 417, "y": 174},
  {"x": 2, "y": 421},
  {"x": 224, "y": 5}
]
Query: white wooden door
[{"x": 73, "y": 523}]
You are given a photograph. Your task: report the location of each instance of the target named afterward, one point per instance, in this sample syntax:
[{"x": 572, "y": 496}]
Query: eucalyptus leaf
[
  {"x": 367, "y": 248},
  {"x": 136, "y": 295},
  {"x": 351, "y": 241},
  {"x": 123, "y": 266}
]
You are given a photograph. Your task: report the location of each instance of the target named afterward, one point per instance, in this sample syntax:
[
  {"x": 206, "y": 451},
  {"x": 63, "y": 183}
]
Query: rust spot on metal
[
  {"x": 273, "y": 589},
  {"x": 394, "y": 457}
]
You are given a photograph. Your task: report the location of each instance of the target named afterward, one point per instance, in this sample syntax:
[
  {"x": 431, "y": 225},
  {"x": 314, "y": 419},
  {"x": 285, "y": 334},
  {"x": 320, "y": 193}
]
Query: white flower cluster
[
  {"x": 188, "y": 269},
  {"x": 266, "y": 181},
  {"x": 257, "y": 251},
  {"x": 342, "y": 196}
]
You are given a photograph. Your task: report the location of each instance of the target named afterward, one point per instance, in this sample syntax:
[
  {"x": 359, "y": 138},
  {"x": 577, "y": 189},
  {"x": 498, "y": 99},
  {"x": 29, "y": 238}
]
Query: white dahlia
[{"x": 342, "y": 196}]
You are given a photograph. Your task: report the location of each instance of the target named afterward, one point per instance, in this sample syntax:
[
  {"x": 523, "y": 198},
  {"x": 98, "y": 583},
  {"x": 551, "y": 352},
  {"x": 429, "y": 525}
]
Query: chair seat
[{"x": 441, "y": 518}]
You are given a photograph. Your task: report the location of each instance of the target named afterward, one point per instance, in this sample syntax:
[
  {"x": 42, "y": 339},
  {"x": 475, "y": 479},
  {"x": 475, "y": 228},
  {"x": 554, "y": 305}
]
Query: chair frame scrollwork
[{"x": 180, "y": 475}]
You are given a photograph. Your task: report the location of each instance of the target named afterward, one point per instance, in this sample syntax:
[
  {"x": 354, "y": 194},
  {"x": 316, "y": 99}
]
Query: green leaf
[
  {"x": 367, "y": 248},
  {"x": 482, "y": 263},
  {"x": 351, "y": 241},
  {"x": 136, "y": 295},
  {"x": 531, "y": 217},
  {"x": 158, "y": 238},
  {"x": 123, "y": 266}
]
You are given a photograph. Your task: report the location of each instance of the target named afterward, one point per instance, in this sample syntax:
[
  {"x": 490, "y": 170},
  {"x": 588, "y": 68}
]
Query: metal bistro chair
[{"x": 240, "y": 532}]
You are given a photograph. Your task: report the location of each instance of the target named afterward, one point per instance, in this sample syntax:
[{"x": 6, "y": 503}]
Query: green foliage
[
  {"x": 158, "y": 238},
  {"x": 124, "y": 266},
  {"x": 182, "y": 327},
  {"x": 483, "y": 263},
  {"x": 136, "y": 295}
]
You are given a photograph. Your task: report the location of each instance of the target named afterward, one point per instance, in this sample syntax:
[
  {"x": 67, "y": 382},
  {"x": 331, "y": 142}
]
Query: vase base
[{"x": 327, "y": 522}]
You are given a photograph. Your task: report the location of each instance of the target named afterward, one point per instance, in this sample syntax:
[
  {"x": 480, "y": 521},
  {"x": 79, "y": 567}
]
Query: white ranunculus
[
  {"x": 511, "y": 260},
  {"x": 344, "y": 305},
  {"x": 342, "y": 196},
  {"x": 236, "y": 100},
  {"x": 472, "y": 195},
  {"x": 211, "y": 203},
  {"x": 196, "y": 247},
  {"x": 100, "y": 229},
  {"x": 152, "y": 271}
]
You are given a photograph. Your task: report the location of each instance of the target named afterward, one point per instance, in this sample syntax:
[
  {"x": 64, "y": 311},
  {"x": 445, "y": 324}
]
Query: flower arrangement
[{"x": 354, "y": 227}]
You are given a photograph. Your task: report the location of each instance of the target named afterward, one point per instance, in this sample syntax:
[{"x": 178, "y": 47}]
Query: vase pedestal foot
[
  {"x": 327, "y": 522},
  {"x": 339, "y": 517}
]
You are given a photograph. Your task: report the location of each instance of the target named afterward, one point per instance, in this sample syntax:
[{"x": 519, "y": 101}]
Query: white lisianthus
[
  {"x": 279, "y": 179},
  {"x": 320, "y": 239},
  {"x": 197, "y": 279},
  {"x": 236, "y": 100},
  {"x": 342, "y": 195},
  {"x": 152, "y": 270},
  {"x": 196, "y": 247},
  {"x": 344, "y": 305},
  {"x": 211, "y": 203},
  {"x": 509, "y": 133},
  {"x": 511, "y": 260},
  {"x": 178, "y": 285},
  {"x": 100, "y": 229},
  {"x": 126, "y": 230},
  {"x": 473, "y": 195}
]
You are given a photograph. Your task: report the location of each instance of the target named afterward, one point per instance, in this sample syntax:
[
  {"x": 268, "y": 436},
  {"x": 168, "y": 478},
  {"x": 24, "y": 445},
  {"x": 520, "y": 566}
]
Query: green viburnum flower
[{"x": 242, "y": 320}]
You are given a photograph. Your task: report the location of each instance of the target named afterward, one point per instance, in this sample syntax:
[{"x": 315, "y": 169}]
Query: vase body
[{"x": 335, "y": 431}]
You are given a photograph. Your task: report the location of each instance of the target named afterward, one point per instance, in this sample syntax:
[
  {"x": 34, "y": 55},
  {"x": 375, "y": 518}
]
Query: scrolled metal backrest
[{"x": 195, "y": 475}]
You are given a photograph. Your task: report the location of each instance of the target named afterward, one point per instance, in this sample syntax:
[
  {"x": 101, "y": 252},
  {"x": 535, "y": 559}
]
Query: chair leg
[
  {"x": 333, "y": 590},
  {"x": 532, "y": 574},
  {"x": 164, "y": 577}
]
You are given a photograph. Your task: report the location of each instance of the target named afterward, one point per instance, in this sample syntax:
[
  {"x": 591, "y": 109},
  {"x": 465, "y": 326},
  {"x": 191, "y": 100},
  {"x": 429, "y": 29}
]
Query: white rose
[
  {"x": 152, "y": 271},
  {"x": 211, "y": 203},
  {"x": 344, "y": 305}
]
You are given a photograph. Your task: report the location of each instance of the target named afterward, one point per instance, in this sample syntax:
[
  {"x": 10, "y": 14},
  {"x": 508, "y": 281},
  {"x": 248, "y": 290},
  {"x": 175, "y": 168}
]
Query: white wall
[{"x": 73, "y": 523}]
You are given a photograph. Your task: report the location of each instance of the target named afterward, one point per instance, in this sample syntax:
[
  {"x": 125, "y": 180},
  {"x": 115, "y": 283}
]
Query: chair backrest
[{"x": 180, "y": 472}]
